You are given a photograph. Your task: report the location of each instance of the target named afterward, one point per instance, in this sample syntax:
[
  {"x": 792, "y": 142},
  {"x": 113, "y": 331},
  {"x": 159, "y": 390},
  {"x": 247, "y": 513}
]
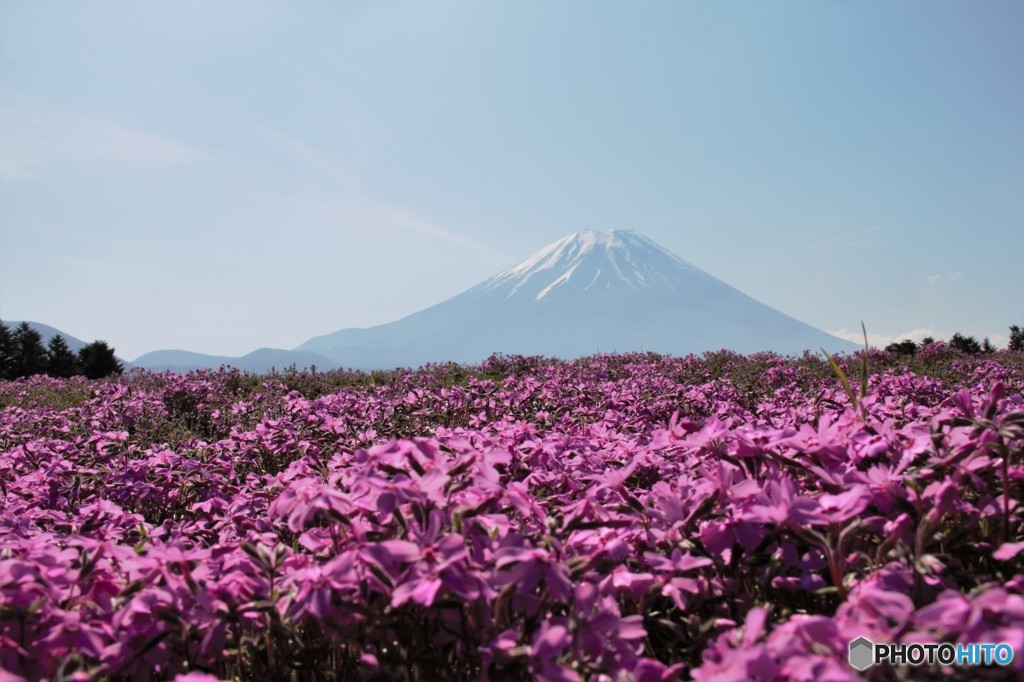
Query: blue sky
[{"x": 220, "y": 176}]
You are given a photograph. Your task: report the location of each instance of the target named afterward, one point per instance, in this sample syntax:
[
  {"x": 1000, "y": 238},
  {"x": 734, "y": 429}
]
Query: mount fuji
[{"x": 590, "y": 292}]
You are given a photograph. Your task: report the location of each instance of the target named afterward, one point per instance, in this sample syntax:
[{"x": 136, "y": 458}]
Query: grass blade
[
  {"x": 864, "y": 364},
  {"x": 842, "y": 377}
]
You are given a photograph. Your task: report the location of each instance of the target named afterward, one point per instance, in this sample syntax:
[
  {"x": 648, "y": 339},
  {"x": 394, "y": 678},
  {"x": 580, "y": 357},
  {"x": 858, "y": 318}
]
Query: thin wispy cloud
[
  {"x": 393, "y": 218},
  {"x": 389, "y": 220},
  {"x": 339, "y": 177},
  {"x": 918, "y": 335},
  {"x": 858, "y": 238},
  {"x": 38, "y": 138},
  {"x": 332, "y": 167},
  {"x": 883, "y": 340},
  {"x": 935, "y": 280}
]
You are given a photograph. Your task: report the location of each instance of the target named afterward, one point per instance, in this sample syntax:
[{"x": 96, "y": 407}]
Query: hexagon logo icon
[{"x": 862, "y": 653}]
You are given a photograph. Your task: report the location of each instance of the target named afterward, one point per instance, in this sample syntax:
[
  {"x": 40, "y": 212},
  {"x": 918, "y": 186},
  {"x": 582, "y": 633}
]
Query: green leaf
[
  {"x": 842, "y": 377},
  {"x": 864, "y": 364}
]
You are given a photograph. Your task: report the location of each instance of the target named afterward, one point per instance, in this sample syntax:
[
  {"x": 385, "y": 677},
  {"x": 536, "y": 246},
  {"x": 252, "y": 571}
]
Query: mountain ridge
[
  {"x": 588, "y": 292},
  {"x": 591, "y": 291},
  {"x": 260, "y": 360},
  {"x": 47, "y": 332}
]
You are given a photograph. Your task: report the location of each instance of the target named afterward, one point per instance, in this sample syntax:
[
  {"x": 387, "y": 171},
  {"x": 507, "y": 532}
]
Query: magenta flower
[
  {"x": 306, "y": 499},
  {"x": 525, "y": 518},
  {"x": 740, "y": 659},
  {"x": 548, "y": 645},
  {"x": 527, "y": 568},
  {"x": 844, "y": 506}
]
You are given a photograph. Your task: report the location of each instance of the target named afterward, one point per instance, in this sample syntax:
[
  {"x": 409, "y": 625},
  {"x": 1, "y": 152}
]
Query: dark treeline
[
  {"x": 23, "y": 354},
  {"x": 964, "y": 344}
]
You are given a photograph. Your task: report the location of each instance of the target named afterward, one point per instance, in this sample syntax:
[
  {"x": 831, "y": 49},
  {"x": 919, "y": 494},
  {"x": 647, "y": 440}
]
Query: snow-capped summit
[
  {"x": 592, "y": 291},
  {"x": 594, "y": 260}
]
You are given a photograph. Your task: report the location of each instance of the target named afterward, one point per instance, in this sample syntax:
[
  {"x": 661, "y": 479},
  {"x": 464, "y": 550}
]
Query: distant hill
[
  {"x": 589, "y": 292},
  {"x": 48, "y": 332},
  {"x": 74, "y": 343},
  {"x": 259, "y": 361}
]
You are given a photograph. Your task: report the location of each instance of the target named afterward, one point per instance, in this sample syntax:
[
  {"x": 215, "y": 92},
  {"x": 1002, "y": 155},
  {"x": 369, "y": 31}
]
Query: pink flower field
[{"x": 615, "y": 518}]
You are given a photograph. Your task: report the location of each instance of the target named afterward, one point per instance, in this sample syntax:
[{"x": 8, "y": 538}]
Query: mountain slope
[
  {"x": 589, "y": 292},
  {"x": 74, "y": 344},
  {"x": 259, "y": 361},
  {"x": 48, "y": 332}
]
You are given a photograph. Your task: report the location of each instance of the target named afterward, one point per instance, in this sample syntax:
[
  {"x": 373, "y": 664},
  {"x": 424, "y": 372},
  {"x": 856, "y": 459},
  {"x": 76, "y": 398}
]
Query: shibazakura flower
[
  {"x": 307, "y": 499},
  {"x": 527, "y": 568},
  {"x": 630, "y": 517}
]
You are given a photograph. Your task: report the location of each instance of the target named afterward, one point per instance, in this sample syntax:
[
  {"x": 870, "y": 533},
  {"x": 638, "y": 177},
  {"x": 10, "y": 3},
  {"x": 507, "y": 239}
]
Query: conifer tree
[
  {"x": 1016, "y": 338},
  {"x": 7, "y": 353},
  {"x": 906, "y": 347},
  {"x": 30, "y": 354},
  {"x": 60, "y": 361},
  {"x": 965, "y": 344},
  {"x": 97, "y": 360}
]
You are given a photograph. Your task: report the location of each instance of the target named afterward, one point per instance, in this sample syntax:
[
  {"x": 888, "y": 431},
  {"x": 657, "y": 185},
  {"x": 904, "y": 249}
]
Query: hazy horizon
[{"x": 219, "y": 177}]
